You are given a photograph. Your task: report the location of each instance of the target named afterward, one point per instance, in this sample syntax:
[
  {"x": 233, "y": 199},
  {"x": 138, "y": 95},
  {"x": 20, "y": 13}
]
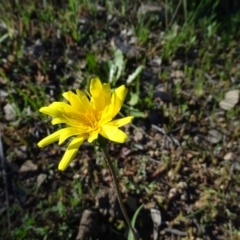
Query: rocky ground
[{"x": 178, "y": 171}]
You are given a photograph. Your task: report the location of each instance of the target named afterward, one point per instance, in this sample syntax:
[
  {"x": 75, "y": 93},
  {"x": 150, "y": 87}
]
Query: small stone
[
  {"x": 177, "y": 81},
  {"x": 138, "y": 135},
  {"x": 189, "y": 155},
  {"x": 3, "y": 80},
  {"x": 229, "y": 145},
  {"x": 172, "y": 193},
  {"x": 10, "y": 111},
  {"x": 156, "y": 62},
  {"x": 176, "y": 64},
  {"x": 182, "y": 185},
  {"x": 76, "y": 176},
  {"x": 228, "y": 156},
  {"x": 230, "y": 100},
  {"x": 214, "y": 136},
  {"x": 184, "y": 196},
  {"x": 177, "y": 74},
  {"x": 11, "y": 58},
  {"x": 28, "y": 166},
  {"x": 157, "y": 153},
  {"x": 171, "y": 174},
  {"x": 3, "y": 94},
  {"x": 151, "y": 153}
]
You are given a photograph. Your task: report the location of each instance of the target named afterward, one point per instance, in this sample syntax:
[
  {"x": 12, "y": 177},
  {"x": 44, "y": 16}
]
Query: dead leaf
[{"x": 41, "y": 178}]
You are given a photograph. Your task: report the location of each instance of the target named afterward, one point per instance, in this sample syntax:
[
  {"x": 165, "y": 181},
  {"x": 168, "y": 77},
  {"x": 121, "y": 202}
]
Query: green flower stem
[{"x": 115, "y": 181}]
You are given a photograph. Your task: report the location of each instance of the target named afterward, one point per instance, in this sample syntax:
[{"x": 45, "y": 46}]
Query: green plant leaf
[
  {"x": 112, "y": 71},
  {"x": 119, "y": 62},
  {"x": 3, "y": 37},
  {"x": 92, "y": 62},
  {"x": 134, "y": 99},
  {"x": 134, "y": 74},
  {"x": 116, "y": 67},
  {"x": 133, "y": 222},
  {"x": 136, "y": 113}
]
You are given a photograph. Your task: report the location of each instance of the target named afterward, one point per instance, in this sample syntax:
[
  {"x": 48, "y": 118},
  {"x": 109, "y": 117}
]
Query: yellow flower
[{"x": 86, "y": 117}]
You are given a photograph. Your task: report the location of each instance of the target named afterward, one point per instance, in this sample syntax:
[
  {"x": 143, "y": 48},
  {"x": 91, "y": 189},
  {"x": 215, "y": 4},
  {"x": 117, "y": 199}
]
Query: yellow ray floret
[{"x": 86, "y": 116}]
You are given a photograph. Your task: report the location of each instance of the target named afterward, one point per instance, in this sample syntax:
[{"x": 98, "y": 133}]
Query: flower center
[{"x": 92, "y": 119}]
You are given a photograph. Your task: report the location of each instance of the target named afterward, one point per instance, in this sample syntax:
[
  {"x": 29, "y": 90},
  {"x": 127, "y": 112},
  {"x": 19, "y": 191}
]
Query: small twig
[
  {"x": 161, "y": 130},
  {"x": 174, "y": 14},
  {"x": 115, "y": 181}
]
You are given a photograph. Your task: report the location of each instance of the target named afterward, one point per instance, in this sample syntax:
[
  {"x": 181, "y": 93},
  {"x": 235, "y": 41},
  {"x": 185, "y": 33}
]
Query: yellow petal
[
  {"x": 106, "y": 92},
  {"x": 78, "y": 122},
  {"x": 80, "y": 94},
  {"x": 85, "y": 103},
  {"x": 67, "y": 94},
  {"x": 55, "y": 109},
  {"x": 49, "y": 111},
  {"x": 119, "y": 94},
  {"x": 121, "y": 122},
  {"x": 104, "y": 98},
  {"x": 68, "y": 132},
  {"x": 113, "y": 133},
  {"x": 50, "y": 139},
  {"x": 79, "y": 102},
  {"x": 93, "y": 136},
  {"x": 65, "y": 120},
  {"x": 100, "y": 94},
  {"x": 70, "y": 114},
  {"x": 74, "y": 100},
  {"x": 98, "y": 103},
  {"x": 95, "y": 87},
  {"x": 71, "y": 122},
  {"x": 58, "y": 120},
  {"x": 116, "y": 103},
  {"x": 70, "y": 152}
]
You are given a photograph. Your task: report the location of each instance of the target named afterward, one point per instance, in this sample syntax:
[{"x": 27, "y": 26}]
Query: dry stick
[
  {"x": 115, "y": 181},
  {"x": 175, "y": 13},
  {"x": 5, "y": 183}
]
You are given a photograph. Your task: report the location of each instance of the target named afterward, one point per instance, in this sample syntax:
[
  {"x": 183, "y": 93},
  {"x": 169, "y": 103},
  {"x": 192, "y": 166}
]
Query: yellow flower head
[{"x": 86, "y": 117}]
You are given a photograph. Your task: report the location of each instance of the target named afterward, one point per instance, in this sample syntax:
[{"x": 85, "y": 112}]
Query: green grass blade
[{"x": 133, "y": 222}]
